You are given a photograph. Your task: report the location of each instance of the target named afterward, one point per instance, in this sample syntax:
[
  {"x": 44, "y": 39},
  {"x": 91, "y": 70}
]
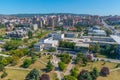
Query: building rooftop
[
  {"x": 116, "y": 38},
  {"x": 82, "y": 45}
]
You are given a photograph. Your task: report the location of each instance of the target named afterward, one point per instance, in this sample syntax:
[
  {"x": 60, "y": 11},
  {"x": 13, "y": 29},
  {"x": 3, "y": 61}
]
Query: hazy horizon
[{"x": 92, "y": 7}]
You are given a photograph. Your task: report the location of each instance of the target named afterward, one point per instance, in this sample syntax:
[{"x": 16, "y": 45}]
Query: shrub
[
  {"x": 104, "y": 71},
  {"x": 4, "y": 74}
]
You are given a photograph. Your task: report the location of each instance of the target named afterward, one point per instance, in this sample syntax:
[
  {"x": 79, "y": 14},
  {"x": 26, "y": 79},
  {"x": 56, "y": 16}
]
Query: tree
[
  {"x": 49, "y": 67},
  {"x": 30, "y": 34},
  {"x": 26, "y": 63},
  {"x": 45, "y": 77},
  {"x": 33, "y": 59},
  {"x": 108, "y": 32},
  {"x": 52, "y": 49},
  {"x": 66, "y": 44},
  {"x": 62, "y": 66},
  {"x": 74, "y": 72},
  {"x": 105, "y": 71},
  {"x": 84, "y": 75},
  {"x": 11, "y": 45},
  {"x": 69, "y": 78},
  {"x": 33, "y": 75},
  {"x": 97, "y": 48},
  {"x": 65, "y": 58},
  {"x": 1, "y": 67},
  {"x": 94, "y": 73},
  {"x": 4, "y": 61},
  {"x": 81, "y": 59},
  {"x": 14, "y": 60}
]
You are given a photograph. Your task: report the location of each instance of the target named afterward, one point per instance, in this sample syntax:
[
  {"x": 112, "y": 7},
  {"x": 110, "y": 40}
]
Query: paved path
[
  {"x": 18, "y": 68},
  {"x": 59, "y": 75},
  {"x": 4, "y": 55},
  {"x": 109, "y": 60},
  {"x": 114, "y": 69},
  {"x": 69, "y": 67},
  {"x": 42, "y": 61}
]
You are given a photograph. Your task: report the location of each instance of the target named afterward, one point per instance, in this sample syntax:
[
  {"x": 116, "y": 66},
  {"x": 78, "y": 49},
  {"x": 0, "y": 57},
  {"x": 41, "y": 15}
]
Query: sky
[{"x": 94, "y": 7}]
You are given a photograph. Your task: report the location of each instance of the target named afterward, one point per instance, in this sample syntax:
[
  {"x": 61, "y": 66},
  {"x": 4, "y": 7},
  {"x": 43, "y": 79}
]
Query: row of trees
[
  {"x": 66, "y": 44},
  {"x": 11, "y": 45},
  {"x": 108, "y": 50},
  {"x": 87, "y": 75}
]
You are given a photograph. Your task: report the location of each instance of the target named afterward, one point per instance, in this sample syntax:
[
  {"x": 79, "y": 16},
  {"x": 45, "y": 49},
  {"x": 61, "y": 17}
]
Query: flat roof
[
  {"x": 82, "y": 44},
  {"x": 116, "y": 38}
]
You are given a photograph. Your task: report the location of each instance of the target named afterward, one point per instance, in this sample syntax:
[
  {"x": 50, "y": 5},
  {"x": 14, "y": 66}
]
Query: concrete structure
[
  {"x": 97, "y": 33},
  {"x": 50, "y": 43},
  {"x": 39, "y": 46},
  {"x": 117, "y": 39},
  {"x": 20, "y": 34},
  {"x": 46, "y": 44},
  {"x": 71, "y": 35},
  {"x": 57, "y": 35},
  {"x": 35, "y": 27}
]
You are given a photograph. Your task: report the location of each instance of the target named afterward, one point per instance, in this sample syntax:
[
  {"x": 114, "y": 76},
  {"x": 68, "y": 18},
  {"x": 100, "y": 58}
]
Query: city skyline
[{"x": 93, "y": 7}]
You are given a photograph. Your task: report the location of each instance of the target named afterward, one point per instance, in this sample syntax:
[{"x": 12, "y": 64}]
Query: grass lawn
[
  {"x": 113, "y": 76},
  {"x": 2, "y": 31},
  {"x": 38, "y": 65},
  {"x": 98, "y": 65},
  {"x": 45, "y": 58},
  {"x": 16, "y": 74},
  {"x": 52, "y": 75}
]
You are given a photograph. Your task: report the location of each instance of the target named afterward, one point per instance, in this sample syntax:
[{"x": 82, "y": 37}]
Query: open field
[
  {"x": 16, "y": 74},
  {"x": 98, "y": 65},
  {"x": 2, "y": 31},
  {"x": 37, "y": 65}
]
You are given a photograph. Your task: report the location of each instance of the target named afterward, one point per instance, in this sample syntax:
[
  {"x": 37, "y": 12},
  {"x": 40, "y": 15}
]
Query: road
[
  {"x": 108, "y": 60},
  {"x": 109, "y": 27}
]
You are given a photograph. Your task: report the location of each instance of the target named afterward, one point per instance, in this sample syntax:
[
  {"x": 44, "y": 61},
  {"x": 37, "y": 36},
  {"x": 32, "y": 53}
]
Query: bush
[
  {"x": 84, "y": 75},
  {"x": 74, "y": 72},
  {"x": 45, "y": 77},
  {"x": 26, "y": 63},
  {"x": 49, "y": 67},
  {"x": 4, "y": 74},
  {"x": 104, "y": 71},
  {"x": 62, "y": 66},
  {"x": 69, "y": 78},
  {"x": 1, "y": 67},
  {"x": 33, "y": 75},
  {"x": 33, "y": 59}
]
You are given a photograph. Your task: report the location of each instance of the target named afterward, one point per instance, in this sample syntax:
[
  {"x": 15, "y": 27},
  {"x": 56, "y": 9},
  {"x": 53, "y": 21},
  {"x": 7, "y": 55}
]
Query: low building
[
  {"x": 97, "y": 33},
  {"x": 82, "y": 47},
  {"x": 46, "y": 44},
  {"x": 35, "y": 27},
  {"x": 50, "y": 43},
  {"x": 71, "y": 35},
  {"x": 20, "y": 34},
  {"x": 117, "y": 39},
  {"x": 57, "y": 35},
  {"x": 39, "y": 46}
]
